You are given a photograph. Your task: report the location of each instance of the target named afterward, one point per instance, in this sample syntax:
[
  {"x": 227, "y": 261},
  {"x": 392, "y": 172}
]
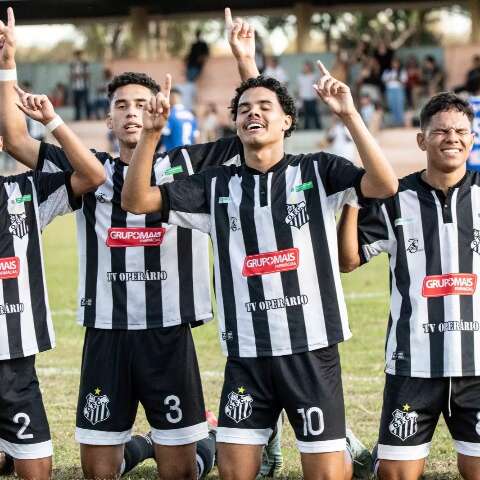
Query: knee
[
  {"x": 177, "y": 472},
  {"x": 104, "y": 471},
  {"x": 398, "y": 470},
  {"x": 40, "y": 469}
]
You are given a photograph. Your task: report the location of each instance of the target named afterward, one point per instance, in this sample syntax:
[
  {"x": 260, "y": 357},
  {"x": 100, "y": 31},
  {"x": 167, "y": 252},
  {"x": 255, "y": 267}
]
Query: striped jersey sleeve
[{"x": 375, "y": 234}]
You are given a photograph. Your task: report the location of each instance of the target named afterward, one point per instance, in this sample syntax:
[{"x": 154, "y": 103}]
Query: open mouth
[
  {"x": 132, "y": 127},
  {"x": 254, "y": 126}
]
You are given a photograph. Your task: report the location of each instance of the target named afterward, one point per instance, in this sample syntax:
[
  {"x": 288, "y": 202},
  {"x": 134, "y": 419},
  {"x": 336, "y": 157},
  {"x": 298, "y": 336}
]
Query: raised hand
[
  {"x": 157, "y": 109},
  {"x": 241, "y": 36},
  {"x": 334, "y": 93},
  {"x": 37, "y": 107},
  {"x": 7, "y": 41}
]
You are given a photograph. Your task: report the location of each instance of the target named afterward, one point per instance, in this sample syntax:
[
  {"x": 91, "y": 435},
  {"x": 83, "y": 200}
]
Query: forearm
[
  {"x": 13, "y": 126},
  {"x": 379, "y": 180},
  {"x": 138, "y": 196},
  {"x": 88, "y": 170},
  {"x": 247, "y": 68},
  {"x": 347, "y": 236}
]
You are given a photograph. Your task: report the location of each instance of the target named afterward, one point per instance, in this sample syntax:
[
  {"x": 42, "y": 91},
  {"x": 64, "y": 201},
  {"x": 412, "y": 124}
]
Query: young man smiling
[
  {"x": 280, "y": 303},
  {"x": 431, "y": 231}
]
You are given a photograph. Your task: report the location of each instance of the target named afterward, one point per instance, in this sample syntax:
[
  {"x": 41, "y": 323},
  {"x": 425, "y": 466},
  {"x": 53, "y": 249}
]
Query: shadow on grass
[{"x": 440, "y": 476}]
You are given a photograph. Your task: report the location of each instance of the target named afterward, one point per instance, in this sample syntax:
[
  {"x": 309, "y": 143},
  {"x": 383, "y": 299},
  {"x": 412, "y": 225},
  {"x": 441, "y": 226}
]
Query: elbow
[
  {"x": 96, "y": 179},
  {"x": 131, "y": 206},
  {"x": 388, "y": 189},
  {"x": 347, "y": 267}
]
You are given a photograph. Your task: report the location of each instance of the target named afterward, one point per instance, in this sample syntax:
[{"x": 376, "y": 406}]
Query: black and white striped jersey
[
  {"x": 433, "y": 242},
  {"x": 126, "y": 279},
  {"x": 28, "y": 202},
  {"x": 277, "y": 281}
]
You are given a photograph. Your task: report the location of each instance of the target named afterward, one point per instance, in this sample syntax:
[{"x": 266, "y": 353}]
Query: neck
[
  {"x": 441, "y": 180},
  {"x": 126, "y": 153},
  {"x": 265, "y": 158}
]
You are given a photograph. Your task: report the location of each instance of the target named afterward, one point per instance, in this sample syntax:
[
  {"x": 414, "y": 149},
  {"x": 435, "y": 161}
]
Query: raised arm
[
  {"x": 13, "y": 126},
  {"x": 241, "y": 37},
  {"x": 88, "y": 172},
  {"x": 138, "y": 196},
  {"x": 379, "y": 180},
  {"x": 347, "y": 235}
]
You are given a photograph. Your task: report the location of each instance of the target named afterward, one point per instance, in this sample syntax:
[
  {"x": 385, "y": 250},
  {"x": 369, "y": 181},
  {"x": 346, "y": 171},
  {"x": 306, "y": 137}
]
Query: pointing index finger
[
  {"x": 10, "y": 17},
  {"x": 167, "y": 85},
  {"x": 228, "y": 18},
  {"x": 322, "y": 68}
]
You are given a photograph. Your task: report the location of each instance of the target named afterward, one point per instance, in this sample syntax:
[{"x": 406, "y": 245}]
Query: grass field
[{"x": 362, "y": 357}]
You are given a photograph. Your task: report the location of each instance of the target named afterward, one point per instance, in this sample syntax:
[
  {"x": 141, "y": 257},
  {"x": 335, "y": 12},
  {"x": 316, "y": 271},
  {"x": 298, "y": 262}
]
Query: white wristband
[
  {"x": 53, "y": 124},
  {"x": 8, "y": 75}
]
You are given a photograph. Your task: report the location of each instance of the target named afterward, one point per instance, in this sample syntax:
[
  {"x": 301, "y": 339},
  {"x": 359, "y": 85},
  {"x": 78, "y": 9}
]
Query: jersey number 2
[{"x": 24, "y": 419}]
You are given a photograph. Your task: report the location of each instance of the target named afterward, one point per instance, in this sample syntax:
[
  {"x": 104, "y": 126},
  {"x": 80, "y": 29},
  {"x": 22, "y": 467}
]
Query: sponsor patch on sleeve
[
  {"x": 449, "y": 284},
  {"x": 135, "y": 237},
  {"x": 271, "y": 262}
]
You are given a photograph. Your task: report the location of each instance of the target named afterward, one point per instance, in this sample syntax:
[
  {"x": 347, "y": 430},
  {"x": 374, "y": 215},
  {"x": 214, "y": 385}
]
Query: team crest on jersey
[
  {"x": 404, "y": 423},
  {"x": 234, "y": 224},
  {"x": 297, "y": 214},
  {"x": 475, "y": 245},
  {"x": 477, "y": 425},
  {"x": 239, "y": 405},
  {"x": 96, "y": 409},
  {"x": 412, "y": 245},
  {"x": 18, "y": 224}
]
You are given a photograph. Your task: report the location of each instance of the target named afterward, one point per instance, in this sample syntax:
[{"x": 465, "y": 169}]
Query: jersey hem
[
  {"x": 174, "y": 323},
  {"x": 27, "y": 353},
  {"x": 279, "y": 353},
  {"x": 446, "y": 374}
]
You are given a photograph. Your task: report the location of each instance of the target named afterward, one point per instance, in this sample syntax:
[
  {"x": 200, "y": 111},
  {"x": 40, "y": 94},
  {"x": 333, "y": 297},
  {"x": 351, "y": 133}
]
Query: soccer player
[
  {"x": 29, "y": 202},
  {"x": 181, "y": 128},
  {"x": 280, "y": 304},
  {"x": 430, "y": 230},
  {"x": 136, "y": 300}
]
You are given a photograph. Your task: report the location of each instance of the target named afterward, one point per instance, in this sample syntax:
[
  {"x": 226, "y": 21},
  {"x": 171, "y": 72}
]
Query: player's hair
[
  {"x": 444, "y": 102},
  {"x": 132, "y": 78},
  {"x": 286, "y": 101}
]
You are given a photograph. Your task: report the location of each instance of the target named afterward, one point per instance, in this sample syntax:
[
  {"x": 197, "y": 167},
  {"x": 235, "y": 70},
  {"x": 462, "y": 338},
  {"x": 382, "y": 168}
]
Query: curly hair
[
  {"x": 444, "y": 102},
  {"x": 132, "y": 78},
  {"x": 286, "y": 101}
]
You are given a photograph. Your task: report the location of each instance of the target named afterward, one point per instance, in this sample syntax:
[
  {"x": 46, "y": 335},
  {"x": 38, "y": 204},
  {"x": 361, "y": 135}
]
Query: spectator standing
[
  {"x": 58, "y": 95},
  {"x": 196, "y": 58},
  {"x": 472, "y": 81},
  {"x": 276, "y": 71},
  {"x": 210, "y": 125},
  {"x": 414, "y": 81},
  {"x": 370, "y": 81},
  {"x": 395, "y": 79},
  {"x": 101, "y": 105},
  {"x": 79, "y": 81},
  {"x": 308, "y": 98},
  {"x": 433, "y": 77},
  {"x": 181, "y": 128}
]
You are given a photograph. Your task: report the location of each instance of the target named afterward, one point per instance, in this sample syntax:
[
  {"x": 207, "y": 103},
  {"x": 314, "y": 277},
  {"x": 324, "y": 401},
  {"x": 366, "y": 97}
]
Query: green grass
[{"x": 362, "y": 363}]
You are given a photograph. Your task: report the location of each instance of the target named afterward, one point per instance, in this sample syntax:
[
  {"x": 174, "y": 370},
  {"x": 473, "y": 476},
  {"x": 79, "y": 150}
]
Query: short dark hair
[
  {"x": 286, "y": 101},
  {"x": 444, "y": 102},
  {"x": 132, "y": 78}
]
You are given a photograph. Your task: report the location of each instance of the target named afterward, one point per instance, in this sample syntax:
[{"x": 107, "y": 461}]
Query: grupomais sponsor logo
[
  {"x": 135, "y": 237},
  {"x": 9, "y": 267},
  {"x": 449, "y": 284},
  {"x": 271, "y": 262}
]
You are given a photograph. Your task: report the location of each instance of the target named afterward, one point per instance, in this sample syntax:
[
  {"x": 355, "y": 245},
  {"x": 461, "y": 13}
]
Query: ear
[
  {"x": 108, "y": 121},
  {"x": 421, "y": 141},
  {"x": 287, "y": 122}
]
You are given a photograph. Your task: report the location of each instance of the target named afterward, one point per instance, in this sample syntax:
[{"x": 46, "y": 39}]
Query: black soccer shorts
[
  {"x": 307, "y": 385},
  {"x": 412, "y": 407},
  {"x": 156, "y": 367},
  {"x": 24, "y": 431}
]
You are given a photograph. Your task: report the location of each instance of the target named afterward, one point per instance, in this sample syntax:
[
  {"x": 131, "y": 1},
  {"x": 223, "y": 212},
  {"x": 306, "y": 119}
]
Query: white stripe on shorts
[
  {"x": 180, "y": 436},
  {"x": 30, "y": 451},
  {"x": 97, "y": 437},
  {"x": 468, "y": 448},
  {"x": 413, "y": 452},
  {"x": 324, "y": 446},
  {"x": 244, "y": 436}
]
